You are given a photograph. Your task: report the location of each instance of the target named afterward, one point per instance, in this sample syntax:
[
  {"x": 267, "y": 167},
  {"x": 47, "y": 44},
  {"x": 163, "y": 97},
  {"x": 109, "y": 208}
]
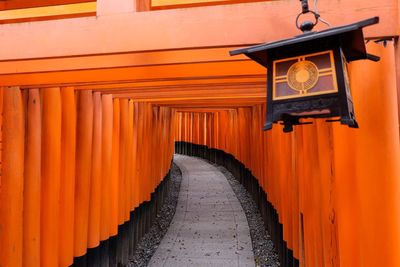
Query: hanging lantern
[{"x": 307, "y": 75}]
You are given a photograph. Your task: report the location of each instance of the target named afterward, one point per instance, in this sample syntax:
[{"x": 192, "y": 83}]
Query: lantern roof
[{"x": 350, "y": 37}]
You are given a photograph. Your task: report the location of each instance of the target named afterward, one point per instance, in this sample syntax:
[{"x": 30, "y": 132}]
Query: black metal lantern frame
[{"x": 307, "y": 75}]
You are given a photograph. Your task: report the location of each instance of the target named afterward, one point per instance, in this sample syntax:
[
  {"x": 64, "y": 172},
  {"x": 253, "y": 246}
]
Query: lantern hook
[{"x": 306, "y": 26}]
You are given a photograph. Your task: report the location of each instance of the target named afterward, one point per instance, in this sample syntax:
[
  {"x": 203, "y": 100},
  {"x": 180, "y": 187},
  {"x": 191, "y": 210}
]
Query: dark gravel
[
  {"x": 149, "y": 243},
  {"x": 263, "y": 248}
]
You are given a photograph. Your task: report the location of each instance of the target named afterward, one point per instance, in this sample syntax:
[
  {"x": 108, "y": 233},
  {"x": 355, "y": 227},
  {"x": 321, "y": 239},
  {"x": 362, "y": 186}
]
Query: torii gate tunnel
[{"x": 96, "y": 97}]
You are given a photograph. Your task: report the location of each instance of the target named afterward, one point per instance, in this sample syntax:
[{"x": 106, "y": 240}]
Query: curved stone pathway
[{"x": 209, "y": 227}]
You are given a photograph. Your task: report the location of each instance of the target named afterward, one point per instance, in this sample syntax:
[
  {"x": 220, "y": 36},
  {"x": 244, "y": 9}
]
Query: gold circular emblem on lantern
[{"x": 302, "y": 76}]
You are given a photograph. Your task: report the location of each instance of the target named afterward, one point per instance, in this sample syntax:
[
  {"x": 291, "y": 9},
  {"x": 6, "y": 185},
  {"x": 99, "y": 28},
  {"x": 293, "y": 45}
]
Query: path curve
[{"x": 209, "y": 227}]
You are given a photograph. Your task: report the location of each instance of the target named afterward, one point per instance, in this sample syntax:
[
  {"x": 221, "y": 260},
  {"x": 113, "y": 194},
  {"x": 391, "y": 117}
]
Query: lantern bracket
[
  {"x": 307, "y": 26},
  {"x": 373, "y": 57}
]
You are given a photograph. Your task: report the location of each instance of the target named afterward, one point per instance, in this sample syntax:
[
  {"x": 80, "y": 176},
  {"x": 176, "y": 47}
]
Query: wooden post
[
  {"x": 51, "y": 169},
  {"x": 115, "y": 169},
  {"x": 95, "y": 183},
  {"x": 122, "y": 179},
  {"x": 32, "y": 177},
  {"x": 130, "y": 159},
  {"x": 135, "y": 183},
  {"x": 11, "y": 186},
  {"x": 67, "y": 190},
  {"x": 83, "y": 170},
  {"x": 107, "y": 128}
]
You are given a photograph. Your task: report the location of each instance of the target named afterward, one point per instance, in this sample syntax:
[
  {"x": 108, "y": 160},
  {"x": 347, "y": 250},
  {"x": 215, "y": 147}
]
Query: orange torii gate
[
  {"x": 88, "y": 130},
  {"x": 108, "y": 182},
  {"x": 323, "y": 181}
]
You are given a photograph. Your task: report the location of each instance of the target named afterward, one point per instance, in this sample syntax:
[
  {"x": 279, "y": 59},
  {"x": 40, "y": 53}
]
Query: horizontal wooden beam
[
  {"x": 212, "y": 26},
  {"x": 194, "y": 95},
  {"x": 169, "y": 91},
  {"x": 149, "y": 58},
  {"x": 202, "y": 109},
  {"x": 207, "y": 102},
  {"x": 182, "y": 83},
  {"x": 212, "y": 70}
]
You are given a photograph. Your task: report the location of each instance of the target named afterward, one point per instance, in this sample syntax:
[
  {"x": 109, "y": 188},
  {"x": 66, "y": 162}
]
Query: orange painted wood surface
[
  {"x": 12, "y": 178},
  {"x": 178, "y": 26},
  {"x": 95, "y": 181},
  {"x": 84, "y": 141},
  {"x": 114, "y": 219},
  {"x": 51, "y": 171},
  {"x": 131, "y": 177},
  {"x": 343, "y": 182},
  {"x": 67, "y": 193},
  {"x": 32, "y": 178},
  {"x": 122, "y": 174},
  {"x": 93, "y": 132},
  {"x": 106, "y": 178},
  {"x": 135, "y": 183}
]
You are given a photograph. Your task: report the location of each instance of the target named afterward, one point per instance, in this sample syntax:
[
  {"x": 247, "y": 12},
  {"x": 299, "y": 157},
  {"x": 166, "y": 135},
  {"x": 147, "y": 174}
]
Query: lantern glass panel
[{"x": 305, "y": 75}]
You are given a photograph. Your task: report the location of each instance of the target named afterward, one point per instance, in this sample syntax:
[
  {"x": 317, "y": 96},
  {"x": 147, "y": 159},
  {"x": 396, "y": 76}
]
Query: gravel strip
[
  {"x": 263, "y": 248},
  {"x": 150, "y": 241}
]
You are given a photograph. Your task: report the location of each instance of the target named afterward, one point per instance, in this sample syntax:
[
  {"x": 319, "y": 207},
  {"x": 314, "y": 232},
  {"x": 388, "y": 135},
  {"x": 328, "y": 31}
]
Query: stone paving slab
[{"x": 209, "y": 227}]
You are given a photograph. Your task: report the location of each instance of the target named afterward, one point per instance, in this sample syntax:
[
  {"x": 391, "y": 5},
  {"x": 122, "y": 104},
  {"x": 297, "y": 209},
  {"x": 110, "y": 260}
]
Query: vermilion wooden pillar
[
  {"x": 32, "y": 178},
  {"x": 11, "y": 183},
  {"x": 107, "y": 128},
  {"x": 95, "y": 182},
  {"x": 129, "y": 159},
  {"x": 122, "y": 178},
  {"x": 135, "y": 184},
  {"x": 140, "y": 154},
  {"x": 51, "y": 170},
  {"x": 83, "y": 170},
  {"x": 67, "y": 192},
  {"x": 376, "y": 157},
  {"x": 115, "y": 169}
]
